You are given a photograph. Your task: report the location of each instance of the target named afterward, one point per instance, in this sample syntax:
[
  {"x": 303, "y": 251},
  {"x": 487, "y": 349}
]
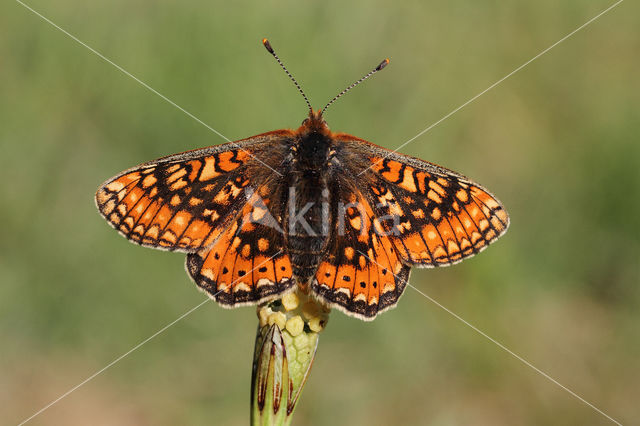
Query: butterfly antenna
[
  {"x": 267, "y": 45},
  {"x": 354, "y": 84}
]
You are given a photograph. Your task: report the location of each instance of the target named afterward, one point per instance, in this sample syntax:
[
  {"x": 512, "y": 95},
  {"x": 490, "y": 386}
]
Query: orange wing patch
[{"x": 247, "y": 264}]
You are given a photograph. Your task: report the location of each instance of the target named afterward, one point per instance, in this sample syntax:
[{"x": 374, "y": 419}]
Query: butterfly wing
[
  {"x": 183, "y": 202},
  {"x": 360, "y": 273},
  {"x": 400, "y": 212},
  {"x": 434, "y": 216},
  {"x": 248, "y": 263},
  {"x": 212, "y": 204}
]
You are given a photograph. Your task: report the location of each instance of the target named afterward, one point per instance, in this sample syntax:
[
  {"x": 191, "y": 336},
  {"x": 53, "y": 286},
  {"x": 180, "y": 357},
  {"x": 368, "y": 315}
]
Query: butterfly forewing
[
  {"x": 434, "y": 216},
  {"x": 181, "y": 202}
]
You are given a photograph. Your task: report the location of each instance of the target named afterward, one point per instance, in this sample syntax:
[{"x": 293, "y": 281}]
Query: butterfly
[{"x": 327, "y": 213}]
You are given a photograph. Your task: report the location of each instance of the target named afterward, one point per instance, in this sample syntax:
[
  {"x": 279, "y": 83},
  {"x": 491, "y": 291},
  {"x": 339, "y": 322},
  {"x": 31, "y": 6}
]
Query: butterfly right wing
[
  {"x": 435, "y": 216},
  {"x": 360, "y": 272}
]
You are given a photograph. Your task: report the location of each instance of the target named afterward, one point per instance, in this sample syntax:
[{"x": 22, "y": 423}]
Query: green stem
[{"x": 286, "y": 343}]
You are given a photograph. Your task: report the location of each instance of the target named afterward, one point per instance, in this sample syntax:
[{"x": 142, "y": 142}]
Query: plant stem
[{"x": 286, "y": 343}]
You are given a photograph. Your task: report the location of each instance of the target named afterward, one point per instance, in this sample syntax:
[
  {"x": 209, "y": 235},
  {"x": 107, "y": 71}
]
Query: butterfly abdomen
[
  {"x": 307, "y": 215},
  {"x": 306, "y": 224}
]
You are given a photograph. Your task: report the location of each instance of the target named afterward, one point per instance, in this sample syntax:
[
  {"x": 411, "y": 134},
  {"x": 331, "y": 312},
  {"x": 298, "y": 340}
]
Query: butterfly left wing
[
  {"x": 248, "y": 264},
  {"x": 204, "y": 202}
]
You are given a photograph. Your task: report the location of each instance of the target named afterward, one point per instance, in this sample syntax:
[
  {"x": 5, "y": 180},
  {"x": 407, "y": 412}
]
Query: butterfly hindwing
[
  {"x": 361, "y": 273},
  {"x": 248, "y": 263}
]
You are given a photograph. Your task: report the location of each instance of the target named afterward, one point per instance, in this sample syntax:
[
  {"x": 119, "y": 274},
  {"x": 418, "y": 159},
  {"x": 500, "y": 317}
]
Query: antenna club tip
[
  {"x": 267, "y": 45},
  {"x": 382, "y": 64}
]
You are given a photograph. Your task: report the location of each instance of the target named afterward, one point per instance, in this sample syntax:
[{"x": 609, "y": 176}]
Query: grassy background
[{"x": 557, "y": 143}]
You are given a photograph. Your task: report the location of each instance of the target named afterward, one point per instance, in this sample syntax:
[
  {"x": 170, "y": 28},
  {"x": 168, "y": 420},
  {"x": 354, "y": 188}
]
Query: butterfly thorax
[
  {"x": 312, "y": 152},
  {"x": 307, "y": 215}
]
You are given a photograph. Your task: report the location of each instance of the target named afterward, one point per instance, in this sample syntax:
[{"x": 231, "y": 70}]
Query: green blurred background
[{"x": 557, "y": 143}]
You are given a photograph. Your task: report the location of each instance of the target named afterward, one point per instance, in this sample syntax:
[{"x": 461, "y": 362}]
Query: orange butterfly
[{"x": 333, "y": 214}]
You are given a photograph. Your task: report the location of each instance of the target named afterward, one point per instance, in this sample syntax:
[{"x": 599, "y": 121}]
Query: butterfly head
[
  {"x": 313, "y": 143},
  {"x": 314, "y": 123}
]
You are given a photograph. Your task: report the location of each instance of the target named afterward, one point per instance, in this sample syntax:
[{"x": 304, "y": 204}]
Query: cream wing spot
[
  {"x": 443, "y": 182},
  {"x": 496, "y": 223},
  {"x": 437, "y": 188},
  {"x": 177, "y": 175},
  {"x": 502, "y": 215},
  {"x": 241, "y": 286},
  {"x": 149, "y": 181},
  {"x": 408, "y": 182},
  {"x": 108, "y": 207},
  {"x": 360, "y": 297},
  {"x": 263, "y": 244},
  {"x": 258, "y": 213},
  {"x": 173, "y": 168},
  {"x": 439, "y": 252},
  {"x": 356, "y": 223},
  {"x": 208, "y": 273},
  {"x": 209, "y": 169},
  {"x": 115, "y": 186},
  {"x": 344, "y": 291},
  {"x": 264, "y": 282},
  {"x": 153, "y": 232},
  {"x": 128, "y": 221},
  {"x": 236, "y": 243},
  {"x": 418, "y": 213},
  {"x": 169, "y": 237},
  {"x": 178, "y": 185},
  {"x": 349, "y": 252},
  {"x": 433, "y": 196}
]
